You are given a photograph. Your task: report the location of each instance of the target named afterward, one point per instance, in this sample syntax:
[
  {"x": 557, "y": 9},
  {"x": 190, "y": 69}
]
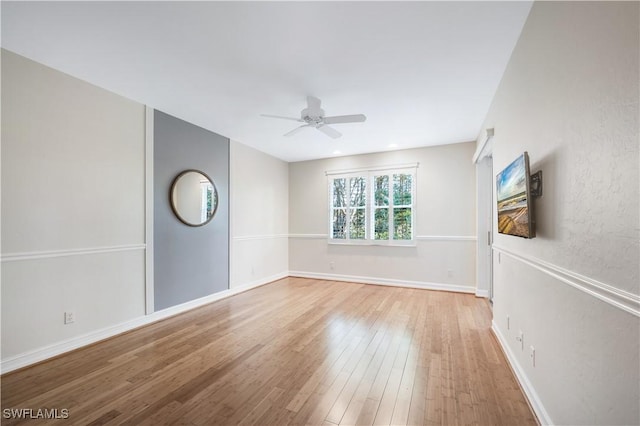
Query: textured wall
[{"x": 569, "y": 97}]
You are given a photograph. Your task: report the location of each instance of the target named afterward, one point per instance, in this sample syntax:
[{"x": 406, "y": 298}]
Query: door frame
[{"x": 485, "y": 215}]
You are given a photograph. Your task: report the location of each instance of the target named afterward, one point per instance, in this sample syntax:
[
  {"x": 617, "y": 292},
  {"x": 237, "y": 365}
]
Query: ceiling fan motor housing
[{"x": 312, "y": 116}]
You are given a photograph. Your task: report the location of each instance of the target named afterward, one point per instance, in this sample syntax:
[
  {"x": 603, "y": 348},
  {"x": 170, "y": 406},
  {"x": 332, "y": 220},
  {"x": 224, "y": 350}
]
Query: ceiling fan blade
[
  {"x": 296, "y": 130},
  {"x": 313, "y": 102},
  {"x": 329, "y": 131},
  {"x": 284, "y": 118},
  {"x": 356, "y": 118}
]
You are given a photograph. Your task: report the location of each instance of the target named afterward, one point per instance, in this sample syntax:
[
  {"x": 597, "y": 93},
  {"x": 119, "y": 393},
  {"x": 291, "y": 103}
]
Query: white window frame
[
  {"x": 348, "y": 239},
  {"x": 204, "y": 189},
  {"x": 368, "y": 174}
]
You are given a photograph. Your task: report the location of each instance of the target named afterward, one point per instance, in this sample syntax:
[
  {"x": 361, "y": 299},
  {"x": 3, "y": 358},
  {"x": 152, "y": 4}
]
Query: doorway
[
  {"x": 485, "y": 227},
  {"x": 485, "y": 205}
]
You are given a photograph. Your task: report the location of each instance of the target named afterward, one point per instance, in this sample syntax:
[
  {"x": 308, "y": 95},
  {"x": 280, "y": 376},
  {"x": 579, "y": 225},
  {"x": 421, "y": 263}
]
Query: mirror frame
[{"x": 173, "y": 208}]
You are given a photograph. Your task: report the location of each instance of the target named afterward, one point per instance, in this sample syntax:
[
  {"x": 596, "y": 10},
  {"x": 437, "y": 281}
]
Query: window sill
[{"x": 406, "y": 243}]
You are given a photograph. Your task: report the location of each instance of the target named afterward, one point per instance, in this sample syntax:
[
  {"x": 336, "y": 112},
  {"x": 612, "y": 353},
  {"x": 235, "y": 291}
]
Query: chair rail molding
[
  {"x": 260, "y": 237},
  {"x": 418, "y": 237},
  {"x": 446, "y": 238},
  {"x": 309, "y": 236},
  {"x": 34, "y": 255},
  {"x": 621, "y": 299}
]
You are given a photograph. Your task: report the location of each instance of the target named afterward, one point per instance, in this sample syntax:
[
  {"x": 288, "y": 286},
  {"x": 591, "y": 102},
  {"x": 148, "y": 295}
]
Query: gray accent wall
[{"x": 189, "y": 262}]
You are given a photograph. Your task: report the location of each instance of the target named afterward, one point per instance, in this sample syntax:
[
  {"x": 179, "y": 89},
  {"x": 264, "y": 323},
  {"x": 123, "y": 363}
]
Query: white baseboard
[
  {"x": 385, "y": 281},
  {"x": 37, "y": 355},
  {"x": 46, "y": 352},
  {"x": 482, "y": 293},
  {"x": 258, "y": 282},
  {"x": 527, "y": 387}
]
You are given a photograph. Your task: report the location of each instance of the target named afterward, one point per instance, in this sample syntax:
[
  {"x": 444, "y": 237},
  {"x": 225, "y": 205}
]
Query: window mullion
[
  {"x": 413, "y": 203},
  {"x": 369, "y": 212},
  {"x": 331, "y": 207},
  {"x": 347, "y": 225}
]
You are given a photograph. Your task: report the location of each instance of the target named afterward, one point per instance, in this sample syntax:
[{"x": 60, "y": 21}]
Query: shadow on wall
[{"x": 546, "y": 208}]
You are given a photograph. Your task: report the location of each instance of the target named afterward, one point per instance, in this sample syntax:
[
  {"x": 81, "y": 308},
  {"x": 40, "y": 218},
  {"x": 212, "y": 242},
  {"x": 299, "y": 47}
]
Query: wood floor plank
[
  {"x": 359, "y": 398},
  {"x": 297, "y": 351},
  {"x": 403, "y": 400}
]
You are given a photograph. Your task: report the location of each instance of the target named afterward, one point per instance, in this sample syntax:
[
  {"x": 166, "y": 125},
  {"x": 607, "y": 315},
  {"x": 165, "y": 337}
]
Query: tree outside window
[{"x": 373, "y": 206}]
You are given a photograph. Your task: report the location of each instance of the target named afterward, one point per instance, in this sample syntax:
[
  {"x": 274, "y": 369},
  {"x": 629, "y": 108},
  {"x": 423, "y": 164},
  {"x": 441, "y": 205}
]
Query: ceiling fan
[{"x": 313, "y": 116}]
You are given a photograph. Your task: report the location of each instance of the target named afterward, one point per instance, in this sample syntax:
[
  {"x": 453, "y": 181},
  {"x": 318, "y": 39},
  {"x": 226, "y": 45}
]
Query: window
[
  {"x": 206, "y": 200},
  {"x": 348, "y": 218},
  {"x": 372, "y": 206}
]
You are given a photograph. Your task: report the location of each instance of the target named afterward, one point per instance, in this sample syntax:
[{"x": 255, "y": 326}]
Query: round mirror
[{"x": 194, "y": 198}]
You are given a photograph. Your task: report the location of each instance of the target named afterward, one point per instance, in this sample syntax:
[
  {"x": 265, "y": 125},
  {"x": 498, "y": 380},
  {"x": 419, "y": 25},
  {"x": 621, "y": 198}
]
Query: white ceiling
[{"x": 424, "y": 73}]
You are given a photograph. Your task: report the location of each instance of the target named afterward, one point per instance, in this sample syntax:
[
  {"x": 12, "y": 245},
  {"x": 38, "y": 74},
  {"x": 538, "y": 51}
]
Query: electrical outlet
[
  {"x": 69, "y": 317},
  {"x": 520, "y": 338},
  {"x": 331, "y": 265},
  {"x": 449, "y": 273},
  {"x": 532, "y": 354},
  {"x": 508, "y": 323}
]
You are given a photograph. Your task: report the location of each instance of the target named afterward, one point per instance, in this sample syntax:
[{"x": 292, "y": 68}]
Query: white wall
[
  {"x": 72, "y": 207},
  {"x": 259, "y": 216},
  {"x": 73, "y": 214},
  {"x": 569, "y": 97},
  {"x": 445, "y": 222}
]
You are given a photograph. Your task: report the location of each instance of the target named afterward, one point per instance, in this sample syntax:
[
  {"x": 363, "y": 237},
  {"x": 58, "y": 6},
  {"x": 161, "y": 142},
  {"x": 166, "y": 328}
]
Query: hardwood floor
[{"x": 297, "y": 351}]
